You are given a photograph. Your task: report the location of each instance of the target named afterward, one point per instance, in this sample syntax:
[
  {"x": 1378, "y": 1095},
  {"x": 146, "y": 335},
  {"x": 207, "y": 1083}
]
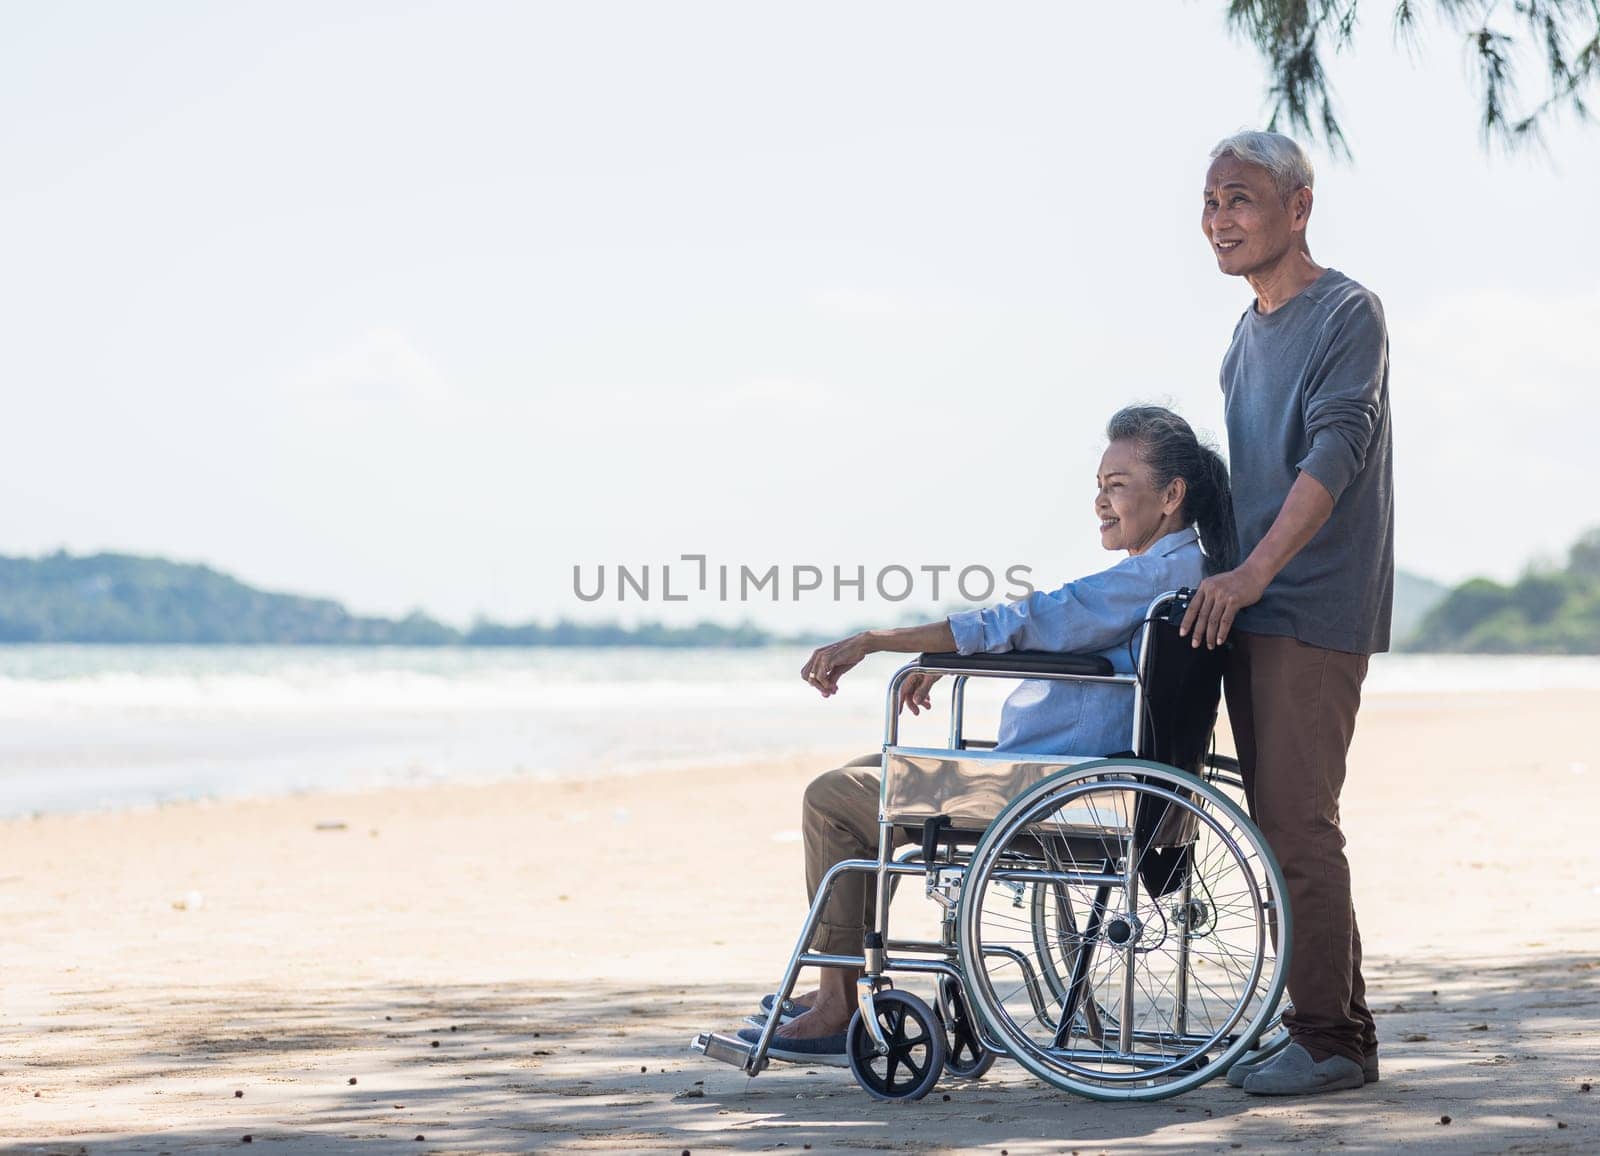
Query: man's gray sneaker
[
  {"x": 1292, "y": 1072},
  {"x": 1252, "y": 1061}
]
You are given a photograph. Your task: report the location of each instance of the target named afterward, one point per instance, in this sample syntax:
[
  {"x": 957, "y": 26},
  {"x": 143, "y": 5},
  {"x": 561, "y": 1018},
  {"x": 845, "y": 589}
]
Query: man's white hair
[{"x": 1280, "y": 155}]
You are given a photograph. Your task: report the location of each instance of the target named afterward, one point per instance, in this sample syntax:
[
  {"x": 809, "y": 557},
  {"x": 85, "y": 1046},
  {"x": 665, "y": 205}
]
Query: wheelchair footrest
[{"x": 728, "y": 1049}]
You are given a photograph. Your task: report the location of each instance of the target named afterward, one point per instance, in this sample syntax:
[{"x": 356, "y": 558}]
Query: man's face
[{"x": 1249, "y": 226}]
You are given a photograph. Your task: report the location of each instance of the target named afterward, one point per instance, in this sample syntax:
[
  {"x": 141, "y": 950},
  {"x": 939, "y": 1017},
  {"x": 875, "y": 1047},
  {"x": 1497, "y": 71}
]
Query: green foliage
[
  {"x": 1543, "y": 612},
  {"x": 1562, "y": 36},
  {"x": 1585, "y": 555}
]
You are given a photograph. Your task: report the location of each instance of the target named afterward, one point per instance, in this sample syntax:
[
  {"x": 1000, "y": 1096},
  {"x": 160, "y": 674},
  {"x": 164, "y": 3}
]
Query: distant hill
[
  {"x": 1414, "y": 596},
  {"x": 122, "y": 598},
  {"x": 1543, "y": 612}
]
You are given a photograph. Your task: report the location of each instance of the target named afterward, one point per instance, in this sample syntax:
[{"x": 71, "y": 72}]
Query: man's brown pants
[{"x": 1293, "y": 709}]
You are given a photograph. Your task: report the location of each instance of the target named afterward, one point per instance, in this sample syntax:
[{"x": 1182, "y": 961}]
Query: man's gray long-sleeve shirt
[{"x": 1306, "y": 388}]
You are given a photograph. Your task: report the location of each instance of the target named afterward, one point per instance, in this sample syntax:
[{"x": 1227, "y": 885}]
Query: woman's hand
[
  {"x": 914, "y": 691},
  {"x": 828, "y": 664}
]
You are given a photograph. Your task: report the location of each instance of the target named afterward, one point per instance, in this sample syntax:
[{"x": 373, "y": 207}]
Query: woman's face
[{"x": 1132, "y": 512}]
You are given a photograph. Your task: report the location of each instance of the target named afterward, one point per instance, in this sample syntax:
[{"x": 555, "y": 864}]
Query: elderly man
[{"x": 1306, "y": 387}]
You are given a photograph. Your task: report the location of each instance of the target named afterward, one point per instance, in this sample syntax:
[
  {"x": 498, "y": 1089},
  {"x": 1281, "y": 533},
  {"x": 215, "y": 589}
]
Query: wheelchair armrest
[{"x": 1022, "y": 662}]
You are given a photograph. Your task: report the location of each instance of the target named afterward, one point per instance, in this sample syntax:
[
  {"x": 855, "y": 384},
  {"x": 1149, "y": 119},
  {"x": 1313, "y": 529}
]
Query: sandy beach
[{"x": 517, "y": 967}]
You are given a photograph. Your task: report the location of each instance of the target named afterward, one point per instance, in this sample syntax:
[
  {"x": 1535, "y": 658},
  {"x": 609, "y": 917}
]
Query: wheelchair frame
[{"x": 953, "y": 960}]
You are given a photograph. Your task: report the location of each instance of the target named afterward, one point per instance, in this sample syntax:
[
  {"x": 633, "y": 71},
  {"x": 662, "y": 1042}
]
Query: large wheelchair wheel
[
  {"x": 1118, "y": 930},
  {"x": 1055, "y": 964}
]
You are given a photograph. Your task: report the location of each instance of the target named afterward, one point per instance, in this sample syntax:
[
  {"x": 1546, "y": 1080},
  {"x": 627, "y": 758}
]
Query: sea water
[{"x": 84, "y": 727}]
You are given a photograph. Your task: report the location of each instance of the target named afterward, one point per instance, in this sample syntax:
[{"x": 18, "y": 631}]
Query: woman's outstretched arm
[{"x": 828, "y": 664}]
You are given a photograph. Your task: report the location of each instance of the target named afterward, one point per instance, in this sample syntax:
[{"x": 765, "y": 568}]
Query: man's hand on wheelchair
[
  {"x": 828, "y": 664},
  {"x": 1217, "y": 602}
]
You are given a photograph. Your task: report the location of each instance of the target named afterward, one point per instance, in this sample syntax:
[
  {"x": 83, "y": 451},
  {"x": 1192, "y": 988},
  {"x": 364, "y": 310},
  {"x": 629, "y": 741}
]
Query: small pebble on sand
[
  {"x": 433, "y": 1044},
  {"x": 238, "y": 1094},
  {"x": 352, "y": 1079},
  {"x": 1444, "y": 1119},
  {"x": 1583, "y": 1087}
]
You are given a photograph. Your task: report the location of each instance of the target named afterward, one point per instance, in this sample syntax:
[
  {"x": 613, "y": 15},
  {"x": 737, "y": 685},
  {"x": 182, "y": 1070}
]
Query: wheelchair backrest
[{"x": 1181, "y": 686}]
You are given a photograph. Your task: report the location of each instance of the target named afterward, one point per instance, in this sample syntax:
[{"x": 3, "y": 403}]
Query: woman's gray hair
[{"x": 1279, "y": 155}]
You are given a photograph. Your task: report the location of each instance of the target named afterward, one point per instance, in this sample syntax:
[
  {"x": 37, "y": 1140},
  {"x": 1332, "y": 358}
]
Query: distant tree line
[
  {"x": 566, "y": 633},
  {"x": 120, "y": 598},
  {"x": 1546, "y": 611}
]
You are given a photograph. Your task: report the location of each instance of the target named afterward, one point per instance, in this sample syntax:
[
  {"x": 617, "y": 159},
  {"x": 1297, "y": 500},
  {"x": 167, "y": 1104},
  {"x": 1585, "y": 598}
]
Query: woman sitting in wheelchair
[{"x": 1161, "y": 496}]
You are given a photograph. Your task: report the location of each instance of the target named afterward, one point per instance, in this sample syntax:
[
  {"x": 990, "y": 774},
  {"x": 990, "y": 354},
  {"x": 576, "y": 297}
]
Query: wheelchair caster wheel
[
  {"x": 916, "y": 1048},
  {"x": 965, "y": 1056}
]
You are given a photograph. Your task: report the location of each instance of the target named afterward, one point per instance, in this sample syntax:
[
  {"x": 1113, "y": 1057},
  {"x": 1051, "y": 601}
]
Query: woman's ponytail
[{"x": 1211, "y": 504}]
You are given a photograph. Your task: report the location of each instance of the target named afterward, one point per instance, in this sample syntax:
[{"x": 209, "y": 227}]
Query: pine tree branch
[{"x": 1291, "y": 36}]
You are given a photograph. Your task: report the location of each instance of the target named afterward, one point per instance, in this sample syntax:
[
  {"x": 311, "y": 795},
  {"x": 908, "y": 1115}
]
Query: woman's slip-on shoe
[{"x": 817, "y": 1050}]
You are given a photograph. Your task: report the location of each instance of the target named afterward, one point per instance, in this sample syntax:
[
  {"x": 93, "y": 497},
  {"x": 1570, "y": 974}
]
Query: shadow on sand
[{"x": 1501, "y": 1049}]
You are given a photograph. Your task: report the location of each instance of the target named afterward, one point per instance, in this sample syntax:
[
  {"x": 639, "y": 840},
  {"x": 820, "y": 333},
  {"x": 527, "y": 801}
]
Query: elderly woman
[{"x": 1162, "y": 498}]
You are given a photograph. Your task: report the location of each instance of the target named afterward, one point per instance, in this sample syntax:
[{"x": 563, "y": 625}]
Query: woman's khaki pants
[{"x": 839, "y": 820}]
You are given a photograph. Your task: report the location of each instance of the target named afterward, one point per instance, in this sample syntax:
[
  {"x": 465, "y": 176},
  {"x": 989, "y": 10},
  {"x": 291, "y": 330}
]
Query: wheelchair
[{"x": 1117, "y": 926}]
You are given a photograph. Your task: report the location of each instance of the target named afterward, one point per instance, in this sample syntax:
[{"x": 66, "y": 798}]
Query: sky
[{"x": 427, "y": 305}]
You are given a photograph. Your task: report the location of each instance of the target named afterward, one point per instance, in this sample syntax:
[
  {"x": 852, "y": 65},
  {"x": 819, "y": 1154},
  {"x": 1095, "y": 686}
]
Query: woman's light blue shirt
[{"x": 1093, "y": 615}]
